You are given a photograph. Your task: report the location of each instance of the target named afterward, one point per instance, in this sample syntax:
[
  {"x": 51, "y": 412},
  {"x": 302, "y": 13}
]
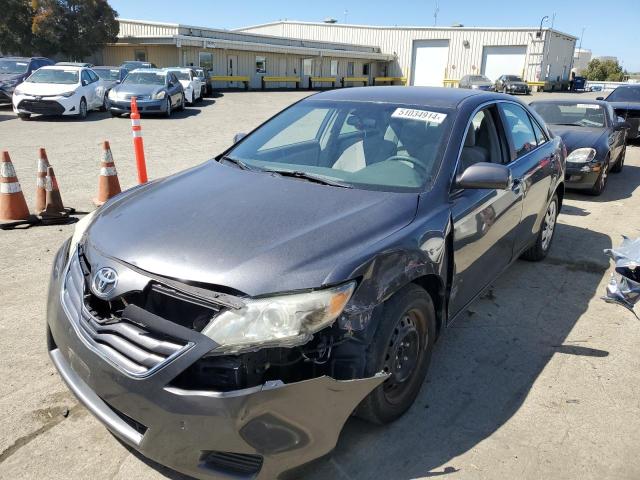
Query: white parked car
[
  {"x": 59, "y": 90},
  {"x": 191, "y": 82}
]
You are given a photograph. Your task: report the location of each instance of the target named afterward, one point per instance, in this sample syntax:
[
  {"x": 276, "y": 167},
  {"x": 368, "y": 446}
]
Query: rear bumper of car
[
  {"x": 257, "y": 432},
  {"x": 582, "y": 176},
  {"x": 146, "y": 106}
]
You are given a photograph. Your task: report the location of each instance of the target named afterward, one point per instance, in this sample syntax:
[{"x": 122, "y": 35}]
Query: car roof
[
  {"x": 64, "y": 67},
  {"x": 179, "y": 69},
  {"x": 24, "y": 58},
  {"x": 602, "y": 103},
  {"x": 149, "y": 70},
  {"x": 424, "y": 96},
  {"x": 108, "y": 66}
]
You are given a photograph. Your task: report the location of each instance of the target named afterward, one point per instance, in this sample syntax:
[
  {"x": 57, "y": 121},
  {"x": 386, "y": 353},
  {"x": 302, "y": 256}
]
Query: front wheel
[
  {"x": 401, "y": 347},
  {"x": 82, "y": 109},
  {"x": 540, "y": 248},
  {"x": 105, "y": 103},
  {"x": 182, "y": 102},
  {"x": 24, "y": 116},
  {"x": 167, "y": 112},
  {"x": 617, "y": 168},
  {"x": 601, "y": 182}
]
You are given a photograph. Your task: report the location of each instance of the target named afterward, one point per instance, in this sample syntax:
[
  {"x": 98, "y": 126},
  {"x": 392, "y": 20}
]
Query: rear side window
[
  {"x": 518, "y": 127},
  {"x": 540, "y": 135}
]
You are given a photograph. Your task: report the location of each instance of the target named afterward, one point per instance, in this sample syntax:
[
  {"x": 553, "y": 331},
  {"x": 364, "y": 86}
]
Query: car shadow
[
  {"x": 483, "y": 367},
  {"x": 619, "y": 186},
  {"x": 193, "y": 110},
  {"x": 93, "y": 116}
]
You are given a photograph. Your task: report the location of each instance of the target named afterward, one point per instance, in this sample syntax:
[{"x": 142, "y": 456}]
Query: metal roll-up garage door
[
  {"x": 429, "y": 62},
  {"x": 503, "y": 60}
]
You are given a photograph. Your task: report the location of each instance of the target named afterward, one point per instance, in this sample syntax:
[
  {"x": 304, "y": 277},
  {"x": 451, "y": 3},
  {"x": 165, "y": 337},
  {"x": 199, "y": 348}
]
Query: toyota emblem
[{"x": 104, "y": 282}]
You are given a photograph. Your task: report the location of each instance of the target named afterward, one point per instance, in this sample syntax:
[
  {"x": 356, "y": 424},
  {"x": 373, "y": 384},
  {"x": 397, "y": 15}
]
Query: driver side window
[{"x": 481, "y": 142}]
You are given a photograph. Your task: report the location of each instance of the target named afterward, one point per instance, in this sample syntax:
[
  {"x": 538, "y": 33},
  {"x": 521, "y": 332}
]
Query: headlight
[
  {"x": 67, "y": 94},
  {"x": 285, "y": 320},
  {"x": 17, "y": 91},
  {"x": 160, "y": 95},
  {"x": 112, "y": 95},
  {"x": 475, "y": 87},
  {"x": 581, "y": 155},
  {"x": 81, "y": 227}
]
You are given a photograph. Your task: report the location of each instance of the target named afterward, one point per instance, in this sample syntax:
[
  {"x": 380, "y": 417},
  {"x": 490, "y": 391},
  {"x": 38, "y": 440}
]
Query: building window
[
  {"x": 261, "y": 64},
  {"x": 140, "y": 55},
  {"x": 307, "y": 67},
  {"x": 365, "y": 69},
  {"x": 350, "y": 69},
  {"x": 205, "y": 61},
  {"x": 334, "y": 68}
]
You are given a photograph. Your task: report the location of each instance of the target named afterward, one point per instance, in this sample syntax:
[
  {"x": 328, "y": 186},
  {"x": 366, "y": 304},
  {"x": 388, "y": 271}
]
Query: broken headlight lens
[
  {"x": 81, "y": 227},
  {"x": 285, "y": 320}
]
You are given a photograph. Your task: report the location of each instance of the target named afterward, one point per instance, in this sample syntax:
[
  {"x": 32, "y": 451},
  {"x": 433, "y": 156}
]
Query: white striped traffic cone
[
  {"x": 108, "y": 183},
  {"x": 12, "y": 203}
]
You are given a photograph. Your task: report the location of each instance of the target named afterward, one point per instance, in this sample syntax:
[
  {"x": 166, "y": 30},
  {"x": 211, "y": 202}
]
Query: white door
[
  {"x": 430, "y": 59},
  {"x": 503, "y": 60},
  {"x": 232, "y": 67}
]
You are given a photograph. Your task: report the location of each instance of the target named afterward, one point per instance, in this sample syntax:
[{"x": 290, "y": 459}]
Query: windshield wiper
[
  {"x": 241, "y": 164},
  {"x": 310, "y": 177}
]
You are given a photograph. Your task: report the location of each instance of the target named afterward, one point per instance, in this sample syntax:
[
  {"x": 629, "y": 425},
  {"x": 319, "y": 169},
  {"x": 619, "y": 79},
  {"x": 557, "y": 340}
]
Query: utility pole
[
  {"x": 435, "y": 13},
  {"x": 346, "y": 12}
]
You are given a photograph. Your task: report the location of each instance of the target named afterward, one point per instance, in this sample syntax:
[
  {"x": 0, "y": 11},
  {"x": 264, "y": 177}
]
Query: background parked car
[
  {"x": 476, "y": 82},
  {"x": 512, "y": 84},
  {"x": 204, "y": 78},
  {"x": 580, "y": 84},
  {"x": 14, "y": 71},
  {"x": 625, "y": 100},
  {"x": 75, "y": 64},
  {"x": 594, "y": 137},
  {"x": 156, "y": 91},
  {"x": 191, "y": 83},
  {"x": 111, "y": 76},
  {"x": 59, "y": 90},
  {"x": 130, "y": 65}
]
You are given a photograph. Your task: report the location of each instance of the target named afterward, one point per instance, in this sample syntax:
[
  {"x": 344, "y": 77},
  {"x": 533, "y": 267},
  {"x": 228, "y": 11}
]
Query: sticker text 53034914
[{"x": 422, "y": 115}]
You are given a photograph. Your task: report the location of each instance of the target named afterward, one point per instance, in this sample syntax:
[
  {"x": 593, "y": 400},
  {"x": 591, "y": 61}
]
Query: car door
[
  {"x": 485, "y": 221},
  {"x": 617, "y": 138},
  {"x": 87, "y": 89},
  {"x": 98, "y": 89},
  {"x": 175, "y": 90},
  {"x": 533, "y": 168}
]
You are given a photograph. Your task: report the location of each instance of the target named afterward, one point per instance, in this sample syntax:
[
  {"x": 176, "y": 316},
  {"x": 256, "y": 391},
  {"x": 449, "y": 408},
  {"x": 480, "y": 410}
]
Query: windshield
[
  {"x": 514, "y": 78},
  {"x": 365, "y": 145},
  {"x": 145, "y": 78},
  {"x": 13, "y": 66},
  {"x": 182, "y": 75},
  {"x": 625, "y": 94},
  {"x": 51, "y": 75},
  {"x": 579, "y": 114},
  {"x": 108, "y": 73},
  {"x": 479, "y": 78}
]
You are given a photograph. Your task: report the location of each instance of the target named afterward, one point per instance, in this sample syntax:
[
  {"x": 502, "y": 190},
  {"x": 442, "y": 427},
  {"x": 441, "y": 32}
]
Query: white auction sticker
[
  {"x": 588, "y": 106},
  {"x": 422, "y": 115}
]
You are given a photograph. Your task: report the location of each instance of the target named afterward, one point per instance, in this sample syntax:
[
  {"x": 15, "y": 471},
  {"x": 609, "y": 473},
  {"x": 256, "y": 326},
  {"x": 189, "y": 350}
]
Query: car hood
[
  {"x": 31, "y": 88},
  {"x": 11, "y": 78},
  {"x": 578, "y": 137},
  {"x": 625, "y": 105},
  {"x": 138, "y": 89},
  {"x": 249, "y": 231}
]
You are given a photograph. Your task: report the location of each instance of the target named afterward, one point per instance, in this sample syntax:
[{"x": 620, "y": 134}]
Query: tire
[
  {"x": 540, "y": 248},
  {"x": 82, "y": 109},
  {"x": 167, "y": 112},
  {"x": 407, "y": 327},
  {"x": 105, "y": 102},
  {"x": 24, "y": 116},
  {"x": 114, "y": 114},
  {"x": 182, "y": 104},
  {"x": 504, "y": 90},
  {"x": 617, "y": 167},
  {"x": 601, "y": 182}
]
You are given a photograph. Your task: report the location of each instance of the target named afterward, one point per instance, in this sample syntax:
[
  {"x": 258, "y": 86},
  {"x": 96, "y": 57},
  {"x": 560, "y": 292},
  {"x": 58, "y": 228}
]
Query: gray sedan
[
  {"x": 476, "y": 82},
  {"x": 156, "y": 91}
]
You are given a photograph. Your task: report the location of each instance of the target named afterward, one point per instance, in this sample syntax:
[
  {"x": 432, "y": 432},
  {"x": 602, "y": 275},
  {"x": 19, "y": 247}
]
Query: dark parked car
[
  {"x": 156, "y": 91},
  {"x": 135, "y": 64},
  {"x": 111, "y": 76},
  {"x": 625, "y": 100},
  {"x": 594, "y": 137},
  {"x": 15, "y": 70},
  {"x": 476, "y": 82},
  {"x": 580, "y": 83},
  {"x": 226, "y": 320},
  {"x": 512, "y": 84}
]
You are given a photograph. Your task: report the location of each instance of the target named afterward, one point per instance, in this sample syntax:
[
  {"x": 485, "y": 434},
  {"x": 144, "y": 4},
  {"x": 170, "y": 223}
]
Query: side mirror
[
  {"x": 84, "y": 83},
  {"x": 238, "y": 136},
  {"x": 485, "y": 175},
  {"x": 621, "y": 125},
  {"x": 599, "y": 98}
]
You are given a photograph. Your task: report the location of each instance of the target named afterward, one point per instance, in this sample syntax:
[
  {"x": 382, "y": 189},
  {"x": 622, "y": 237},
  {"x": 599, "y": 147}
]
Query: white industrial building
[{"x": 430, "y": 55}]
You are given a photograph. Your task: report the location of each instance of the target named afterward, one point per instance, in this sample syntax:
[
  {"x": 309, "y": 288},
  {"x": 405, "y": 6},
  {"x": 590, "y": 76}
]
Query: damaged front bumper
[
  {"x": 624, "y": 286},
  {"x": 256, "y": 432}
]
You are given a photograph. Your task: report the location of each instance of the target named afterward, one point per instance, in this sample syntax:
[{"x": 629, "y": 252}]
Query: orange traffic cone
[
  {"x": 108, "y": 183},
  {"x": 54, "y": 208},
  {"x": 12, "y": 203},
  {"x": 41, "y": 174}
]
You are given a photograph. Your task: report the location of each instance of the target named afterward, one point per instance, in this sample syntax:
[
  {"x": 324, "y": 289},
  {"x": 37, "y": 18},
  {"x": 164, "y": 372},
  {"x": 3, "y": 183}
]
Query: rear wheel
[
  {"x": 402, "y": 348},
  {"x": 539, "y": 250},
  {"x": 617, "y": 168}
]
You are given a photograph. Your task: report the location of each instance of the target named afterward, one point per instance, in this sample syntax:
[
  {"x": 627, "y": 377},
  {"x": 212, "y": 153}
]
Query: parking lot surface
[{"x": 540, "y": 379}]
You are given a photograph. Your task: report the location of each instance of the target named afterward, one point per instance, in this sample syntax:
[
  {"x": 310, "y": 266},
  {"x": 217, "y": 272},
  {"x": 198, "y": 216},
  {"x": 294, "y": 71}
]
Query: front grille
[
  {"x": 231, "y": 463},
  {"x": 44, "y": 107},
  {"x": 117, "y": 336}
]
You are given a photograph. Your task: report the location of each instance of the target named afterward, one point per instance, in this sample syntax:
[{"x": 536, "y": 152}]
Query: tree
[
  {"x": 74, "y": 28},
  {"x": 601, "y": 70},
  {"x": 15, "y": 27}
]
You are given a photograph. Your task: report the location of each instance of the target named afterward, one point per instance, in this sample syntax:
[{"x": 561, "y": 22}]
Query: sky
[{"x": 605, "y": 32}]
